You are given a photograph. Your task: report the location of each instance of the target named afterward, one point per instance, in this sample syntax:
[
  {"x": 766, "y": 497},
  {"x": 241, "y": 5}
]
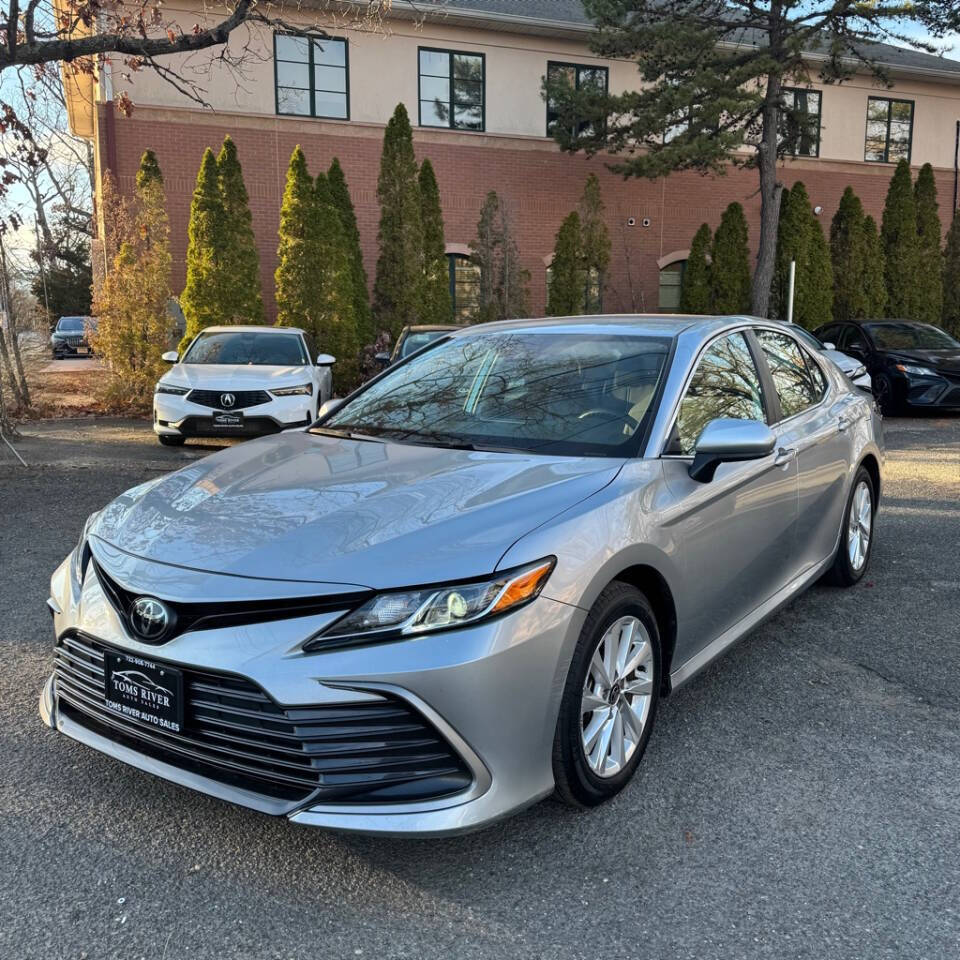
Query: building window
[
  {"x": 671, "y": 285},
  {"x": 800, "y": 123},
  {"x": 578, "y": 77},
  {"x": 464, "y": 287},
  {"x": 451, "y": 89},
  {"x": 592, "y": 291},
  {"x": 312, "y": 76},
  {"x": 889, "y": 130}
]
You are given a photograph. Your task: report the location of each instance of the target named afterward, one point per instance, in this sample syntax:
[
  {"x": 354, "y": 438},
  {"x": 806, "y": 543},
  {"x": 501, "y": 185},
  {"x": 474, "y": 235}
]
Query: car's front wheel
[
  {"x": 883, "y": 393},
  {"x": 610, "y": 698},
  {"x": 856, "y": 534},
  {"x": 171, "y": 439}
]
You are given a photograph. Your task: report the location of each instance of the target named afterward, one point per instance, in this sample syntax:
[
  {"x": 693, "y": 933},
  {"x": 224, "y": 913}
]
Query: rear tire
[
  {"x": 607, "y": 715},
  {"x": 170, "y": 440},
  {"x": 856, "y": 533}
]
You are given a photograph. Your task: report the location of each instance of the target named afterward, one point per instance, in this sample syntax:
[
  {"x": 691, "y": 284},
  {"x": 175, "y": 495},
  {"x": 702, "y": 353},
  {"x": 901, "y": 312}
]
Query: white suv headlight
[
  {"x": 173, "y": 388},
  {"x": 401, "y": 614},
  {"x": 303, "y": 389}
]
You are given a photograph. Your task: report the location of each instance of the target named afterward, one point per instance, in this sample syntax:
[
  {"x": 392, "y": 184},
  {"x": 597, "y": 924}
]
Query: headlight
[
  {"x": 857, "y": 372},
  {"x": 81, "y": 552},
  {"x": 304, "y": 390},
  {"x": 401, "y": 614},
  {"x": 172, "y": 388},
  {"x": 916, "y": 371}
]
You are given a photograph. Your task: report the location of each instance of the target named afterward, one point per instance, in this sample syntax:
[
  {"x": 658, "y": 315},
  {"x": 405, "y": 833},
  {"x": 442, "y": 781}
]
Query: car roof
[
  {"x": 250, "y": 328},
  {"x": 656, "y": 324},
  {"x": 431, "y": 327}
]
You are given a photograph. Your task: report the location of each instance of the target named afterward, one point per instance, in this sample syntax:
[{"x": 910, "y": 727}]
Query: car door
[
  {"x": 735, "y": 534},
  {"x": 816, "y": 421}
]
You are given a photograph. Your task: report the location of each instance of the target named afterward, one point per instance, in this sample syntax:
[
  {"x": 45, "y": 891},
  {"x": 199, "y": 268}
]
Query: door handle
[{"x": 784, "y": 456}]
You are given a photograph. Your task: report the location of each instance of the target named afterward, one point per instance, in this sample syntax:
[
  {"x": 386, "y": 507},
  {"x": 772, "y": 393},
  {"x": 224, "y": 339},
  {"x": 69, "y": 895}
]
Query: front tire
[
  {"x": 883, "y": 392},
  {"x": 856, "y": 534},
  {"x": 609, "y": 699},
  {"x": 171, "y": 440}
]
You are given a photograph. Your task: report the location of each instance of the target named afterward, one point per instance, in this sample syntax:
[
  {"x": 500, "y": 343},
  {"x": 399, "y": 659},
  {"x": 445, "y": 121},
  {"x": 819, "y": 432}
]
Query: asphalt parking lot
[{"x": 798, "y": 800}]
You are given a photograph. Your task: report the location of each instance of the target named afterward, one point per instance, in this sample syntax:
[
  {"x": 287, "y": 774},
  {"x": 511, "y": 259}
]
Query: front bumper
[
  {"x": 177, "y": 416},
  {"x": 491, "y": 691},
  {"x": 924, "y": 393}
]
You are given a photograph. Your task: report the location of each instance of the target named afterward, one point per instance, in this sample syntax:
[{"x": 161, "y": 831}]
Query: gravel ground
[{"x": 798, "y": 799}]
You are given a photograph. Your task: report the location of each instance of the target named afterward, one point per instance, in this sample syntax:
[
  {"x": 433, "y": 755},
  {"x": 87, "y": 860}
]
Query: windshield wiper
[{"x": 348, "y": 434}]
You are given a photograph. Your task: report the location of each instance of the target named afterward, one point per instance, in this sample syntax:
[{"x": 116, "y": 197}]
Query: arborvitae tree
[
  {"x": 594, "y": 241},
  {"x": 241, "y": 262},
  {"x": 951, "y": 278},
  {"x": 503, "y": 291},
  {"x": 567, "y": 276},
  {"x": 848, "y": 254},
  {"x": 149, "y": 170},
  {"x": 874, "y": 271},
  {"x": 929, "y": 275},
  {"x": 340, "y": 198},
  {"x": 791, "y": 247},
  {"x": 730, "y": 270},
  {"x": 435, "y": 303},
  {"x": 898, "y": 233},
  {"x": 206, "y": 289},
  {"x": 296, "y": 288},
  {"x": 816, "y": 308},
  {"x": 695, "y": 292},
  {"x": 397, "y": 286}
]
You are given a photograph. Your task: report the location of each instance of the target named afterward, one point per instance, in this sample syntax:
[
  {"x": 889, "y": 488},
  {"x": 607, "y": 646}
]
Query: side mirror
[
  {"x": 730, "y": 441},
  {"x": 328, "y": 407},
  {"x": 171, "y": 356},
  {"x": 325, "y": 360},
  {"x": 829, "y": 346},
  {"x": 383, "y": 359}
]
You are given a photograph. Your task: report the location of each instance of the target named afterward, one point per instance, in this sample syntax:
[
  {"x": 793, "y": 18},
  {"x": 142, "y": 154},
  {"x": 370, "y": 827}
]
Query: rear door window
[{"x": 792, "y": 378}]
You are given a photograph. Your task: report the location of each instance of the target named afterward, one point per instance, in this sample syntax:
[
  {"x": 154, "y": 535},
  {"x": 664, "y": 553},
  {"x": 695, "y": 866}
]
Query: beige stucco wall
[{"x": 383, "y": 71}]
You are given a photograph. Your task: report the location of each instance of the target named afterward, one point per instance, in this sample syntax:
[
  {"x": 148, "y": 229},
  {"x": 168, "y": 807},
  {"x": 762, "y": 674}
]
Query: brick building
[{"x": 487, "y": 57}]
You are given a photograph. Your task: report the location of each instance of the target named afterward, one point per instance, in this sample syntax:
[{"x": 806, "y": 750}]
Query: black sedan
[
  {"x": 913, "y": 366},
  {"x": 70, "y": 337}
]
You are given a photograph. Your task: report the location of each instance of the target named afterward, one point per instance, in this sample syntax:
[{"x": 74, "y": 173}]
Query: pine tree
[
  {"x": 149, "y": 170},
  {"x": 513, "y": 280},
  {"x": 503, "y": 292},
  {"x": 695, "y": 292},
  {"x": 397, "y": 285},
  {"x": 296, "y": 288},
  {"x": 951, "y": 279},
  {"x": 874, "y": 271},
  {"x": 817, "y": 306},
  {"x": 207, "y": 284},
  {"x": 340, "y": 198},
  {"x": 595, "y": 243},
  {"x": 435, "y": 302},
  {"x": 848, "y": 253},
  {"x": 898, "y": 233},
  {"x": 567, "y": 277},
  {"x": 730, "y": 270},
  {"x": 929, "y": 275},
  {"x": 241, "y": 263}
]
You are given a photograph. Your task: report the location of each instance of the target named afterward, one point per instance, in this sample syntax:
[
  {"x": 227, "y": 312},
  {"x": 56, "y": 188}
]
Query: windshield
[
  {"x": 560, "y": 393},
  {"x": 71, "y": 324},
  {"x": 246, "y": 348},
  {"x": 910, "y": 336},
  {"x": 414, "y": 341}
]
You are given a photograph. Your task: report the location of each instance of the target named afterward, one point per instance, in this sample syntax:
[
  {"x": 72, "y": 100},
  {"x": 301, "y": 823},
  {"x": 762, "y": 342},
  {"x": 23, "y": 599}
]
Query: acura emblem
[
  {"x": 227, "y": 400},
  {"x": 150, "y": 618}
]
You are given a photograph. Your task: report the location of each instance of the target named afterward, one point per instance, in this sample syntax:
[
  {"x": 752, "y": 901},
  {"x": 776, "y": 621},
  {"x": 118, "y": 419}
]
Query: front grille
[
  {"x": 235, "y": 613},
  {"x": 241, "y": 398},
  {"x": 951, "y": 398},
  {"x": 378, "y": 751}
]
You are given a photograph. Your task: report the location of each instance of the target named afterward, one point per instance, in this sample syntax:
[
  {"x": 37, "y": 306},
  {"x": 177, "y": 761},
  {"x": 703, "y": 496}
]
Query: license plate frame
[
  {"x": 142, "y": 690},
  {"x": 223, "y": 420}
]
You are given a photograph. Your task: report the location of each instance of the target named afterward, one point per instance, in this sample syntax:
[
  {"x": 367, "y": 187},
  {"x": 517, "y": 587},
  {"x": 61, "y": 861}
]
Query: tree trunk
[
  {"x": 18, "y": 381},
  {"x": 770, "y": 192}
]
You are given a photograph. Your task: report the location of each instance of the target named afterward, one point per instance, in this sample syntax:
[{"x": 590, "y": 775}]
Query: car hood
[
  {"x": 946, "y": 360},
  {"x": 223, "y": 376},
  {"x": 306, "y": 507}
]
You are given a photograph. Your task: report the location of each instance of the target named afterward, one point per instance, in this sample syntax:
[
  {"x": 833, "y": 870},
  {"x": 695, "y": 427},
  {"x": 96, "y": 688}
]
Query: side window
[
  {"x": 791, "y": 378},
  {"x": 816, "y": 373},
  {"x": 829, "y": 334},
  {"x": 853, "y": 341},
  {"x": 725, "y": 384}
]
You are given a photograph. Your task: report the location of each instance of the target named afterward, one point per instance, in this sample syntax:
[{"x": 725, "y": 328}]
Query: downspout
[{"x": 956, "y": 165}]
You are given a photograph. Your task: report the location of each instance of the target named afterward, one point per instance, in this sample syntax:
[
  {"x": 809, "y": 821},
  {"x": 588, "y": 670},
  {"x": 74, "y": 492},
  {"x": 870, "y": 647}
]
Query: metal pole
[{"x": 793, "y": 273}]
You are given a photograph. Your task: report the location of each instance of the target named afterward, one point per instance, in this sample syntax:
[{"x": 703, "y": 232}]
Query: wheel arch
[{"x": 870, "y": 463}]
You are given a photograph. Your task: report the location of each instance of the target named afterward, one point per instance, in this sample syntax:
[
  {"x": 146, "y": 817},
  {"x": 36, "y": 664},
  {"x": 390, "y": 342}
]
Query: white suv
[{"x": 240, "y": 381}]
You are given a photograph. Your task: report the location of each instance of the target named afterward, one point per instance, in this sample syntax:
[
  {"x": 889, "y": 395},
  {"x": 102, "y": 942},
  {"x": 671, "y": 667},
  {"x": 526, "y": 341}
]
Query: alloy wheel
[
  {"x": 859, "y": 525},
  {"x": 617, "y": 695}
]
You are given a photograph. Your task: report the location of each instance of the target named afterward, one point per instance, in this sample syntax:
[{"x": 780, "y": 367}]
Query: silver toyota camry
[{"x": 468, "y": 585}]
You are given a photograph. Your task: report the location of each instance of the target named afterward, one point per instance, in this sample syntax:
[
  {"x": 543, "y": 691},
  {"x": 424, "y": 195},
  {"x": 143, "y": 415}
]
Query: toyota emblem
[
  {"x": 227, "y": 400},
  {"x": 150, "y": 618}
]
